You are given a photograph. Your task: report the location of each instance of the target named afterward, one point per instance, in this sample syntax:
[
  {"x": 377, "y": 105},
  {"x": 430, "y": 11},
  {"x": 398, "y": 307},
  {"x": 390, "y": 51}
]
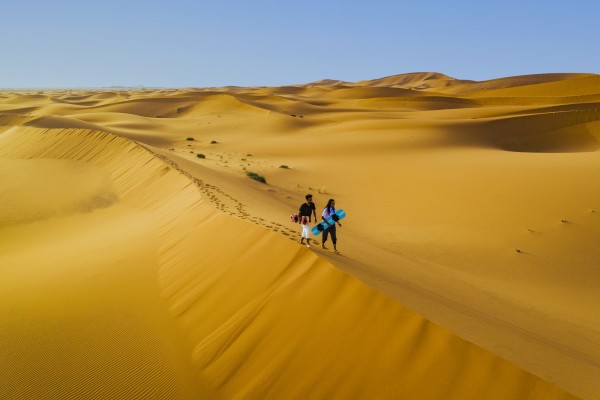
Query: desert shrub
[
  {"x": 284, "y": 167},
  {"x": 256, "y": 177},
  {"x": 190, "y": 138},
  {"x": 214, "y": 142},
  {"x": 200, "y": 155}
]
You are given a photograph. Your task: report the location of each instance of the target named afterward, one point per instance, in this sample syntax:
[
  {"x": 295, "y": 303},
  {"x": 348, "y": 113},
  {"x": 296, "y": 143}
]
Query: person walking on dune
[
  {"x": 327, "y": 212},
  {"x": 304, "y": 213}
]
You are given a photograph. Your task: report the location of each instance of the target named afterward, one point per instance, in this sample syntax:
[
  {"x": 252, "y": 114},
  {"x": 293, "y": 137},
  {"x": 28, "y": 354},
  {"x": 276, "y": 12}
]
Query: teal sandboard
[{"x": 333, "y": 218}]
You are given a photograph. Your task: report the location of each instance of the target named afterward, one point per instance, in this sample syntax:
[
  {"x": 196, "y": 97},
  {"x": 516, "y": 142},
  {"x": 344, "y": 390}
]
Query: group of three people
[{"x": 307, "y": 210}]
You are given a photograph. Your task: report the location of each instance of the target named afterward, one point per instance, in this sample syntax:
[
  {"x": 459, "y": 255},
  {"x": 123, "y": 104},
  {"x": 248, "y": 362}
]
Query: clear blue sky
[{"x": 180, "y": 43}]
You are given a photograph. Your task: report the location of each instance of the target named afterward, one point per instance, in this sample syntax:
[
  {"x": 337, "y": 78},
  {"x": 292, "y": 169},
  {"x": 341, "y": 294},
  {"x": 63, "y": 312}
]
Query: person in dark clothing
[
  {"x": 304, "y": 215},
  {"x": 327, "y": 212}
]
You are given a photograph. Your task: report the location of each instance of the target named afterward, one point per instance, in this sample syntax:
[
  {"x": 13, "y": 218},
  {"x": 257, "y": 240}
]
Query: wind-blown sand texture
[{"x": 469, "y": 269}]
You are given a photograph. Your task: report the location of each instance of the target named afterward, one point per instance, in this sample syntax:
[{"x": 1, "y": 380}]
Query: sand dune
[
  {"x": 8, "y": 120},
  {"x": 515, "y": 84},
  {"x": 417, "y": 80},
  {"x": 131, "y": 268},
  {"x": 576, "y": 85},
  {"x": 256, "y": 331},
  {"x": 325, "y": 82},
  {"x": 368, "y": 92}
]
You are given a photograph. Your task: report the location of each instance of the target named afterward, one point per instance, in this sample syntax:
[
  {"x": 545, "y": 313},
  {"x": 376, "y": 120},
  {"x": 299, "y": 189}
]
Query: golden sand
[{"x": 132, "y": 268}]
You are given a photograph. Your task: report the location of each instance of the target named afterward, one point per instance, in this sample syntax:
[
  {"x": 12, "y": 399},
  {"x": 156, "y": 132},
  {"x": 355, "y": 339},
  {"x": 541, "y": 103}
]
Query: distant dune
[{"x": 137, "y": 259}]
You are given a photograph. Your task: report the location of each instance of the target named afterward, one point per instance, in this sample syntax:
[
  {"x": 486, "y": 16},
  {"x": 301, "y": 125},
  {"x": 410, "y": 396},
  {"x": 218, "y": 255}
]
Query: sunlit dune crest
[{"x": 138, "y": 260}]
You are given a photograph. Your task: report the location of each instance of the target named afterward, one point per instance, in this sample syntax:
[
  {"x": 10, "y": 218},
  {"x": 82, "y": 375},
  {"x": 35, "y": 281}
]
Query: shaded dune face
[
  {"x": 132, "y": 268},
  {"x": 569, "y": 131},
  {"x": 559, "y": 132}
]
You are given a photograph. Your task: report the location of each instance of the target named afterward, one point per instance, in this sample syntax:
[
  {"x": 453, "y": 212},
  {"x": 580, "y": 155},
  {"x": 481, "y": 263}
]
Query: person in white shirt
[
  {"x": 304, "y": 214},
  {"x": 327, "y": 212}
]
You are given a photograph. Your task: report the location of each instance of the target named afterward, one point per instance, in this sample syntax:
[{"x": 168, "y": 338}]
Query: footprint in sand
[{"x": 227, "y": 203}]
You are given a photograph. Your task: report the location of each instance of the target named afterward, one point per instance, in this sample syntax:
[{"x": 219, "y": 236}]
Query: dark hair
[
  {"x": 328, "y": 207},
  {"x": 308, "y": 196}
]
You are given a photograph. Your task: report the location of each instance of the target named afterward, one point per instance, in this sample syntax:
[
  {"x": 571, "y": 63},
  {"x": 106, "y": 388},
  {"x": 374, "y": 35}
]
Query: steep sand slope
[
  {"x": 82, "y": 315},
  {"x": 118, "y": 281}
]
